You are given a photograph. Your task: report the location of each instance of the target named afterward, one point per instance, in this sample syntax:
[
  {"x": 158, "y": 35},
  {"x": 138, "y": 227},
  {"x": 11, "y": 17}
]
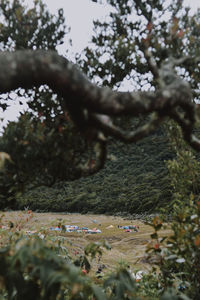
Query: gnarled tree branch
[{"x": 88, "y": 103}]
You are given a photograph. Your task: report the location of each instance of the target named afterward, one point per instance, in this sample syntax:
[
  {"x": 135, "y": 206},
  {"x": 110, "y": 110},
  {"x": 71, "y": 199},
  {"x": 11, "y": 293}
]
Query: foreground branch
[
  {"x": 26, "y": 69},
  {"x": 92, "y": 107}
]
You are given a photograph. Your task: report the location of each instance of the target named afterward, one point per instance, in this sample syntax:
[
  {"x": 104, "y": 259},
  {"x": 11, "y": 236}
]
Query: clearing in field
[{"x": 126, "y": 246}]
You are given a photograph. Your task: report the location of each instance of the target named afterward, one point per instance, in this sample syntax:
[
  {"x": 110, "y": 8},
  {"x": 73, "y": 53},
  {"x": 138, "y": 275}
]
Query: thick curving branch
[
  {"x": 92, "y": 166},
  {"x": 26, "y": 69},
  {"x": 107, "y": 126},
  {"x": 89, "y": 104}
]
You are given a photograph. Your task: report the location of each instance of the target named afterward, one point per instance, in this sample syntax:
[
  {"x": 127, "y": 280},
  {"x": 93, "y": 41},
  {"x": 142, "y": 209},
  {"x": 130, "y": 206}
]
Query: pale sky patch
[{"x": 79, "y": 15}]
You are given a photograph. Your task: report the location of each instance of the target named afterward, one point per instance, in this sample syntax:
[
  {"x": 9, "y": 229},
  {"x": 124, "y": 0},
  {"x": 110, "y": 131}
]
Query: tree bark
[{"x": 88, "y": 103}]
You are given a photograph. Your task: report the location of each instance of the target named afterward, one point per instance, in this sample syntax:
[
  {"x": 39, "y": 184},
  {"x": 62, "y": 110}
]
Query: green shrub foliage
[{"x": 178, "y": 256}]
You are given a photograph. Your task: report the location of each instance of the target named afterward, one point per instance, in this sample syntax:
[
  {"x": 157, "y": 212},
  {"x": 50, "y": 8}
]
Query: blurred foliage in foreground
[{"x": 40, "y": 266}]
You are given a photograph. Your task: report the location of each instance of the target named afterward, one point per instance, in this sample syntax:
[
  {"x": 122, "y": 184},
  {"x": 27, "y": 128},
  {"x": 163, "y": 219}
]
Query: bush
[{"x": 178, "y": 256}]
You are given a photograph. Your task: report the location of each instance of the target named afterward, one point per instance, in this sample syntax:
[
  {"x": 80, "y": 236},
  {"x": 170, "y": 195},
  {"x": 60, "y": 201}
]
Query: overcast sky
[{"x": 79, "y": 15}]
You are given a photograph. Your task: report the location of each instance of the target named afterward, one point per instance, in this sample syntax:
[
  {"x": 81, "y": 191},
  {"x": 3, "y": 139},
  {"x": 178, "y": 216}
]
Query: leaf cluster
[{"x": 177, "y": 256}]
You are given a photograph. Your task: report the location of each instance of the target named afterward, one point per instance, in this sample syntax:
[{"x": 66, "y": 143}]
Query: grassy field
[{"x": 125, "y": 246}]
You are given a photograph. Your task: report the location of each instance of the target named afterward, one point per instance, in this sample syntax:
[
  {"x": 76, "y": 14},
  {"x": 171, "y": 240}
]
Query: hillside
[{"x": 135, "y": 181}]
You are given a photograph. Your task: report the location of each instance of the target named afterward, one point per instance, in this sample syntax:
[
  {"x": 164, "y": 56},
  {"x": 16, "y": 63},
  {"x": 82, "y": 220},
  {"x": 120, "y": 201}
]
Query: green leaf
[{"x": 98, "y": 292}]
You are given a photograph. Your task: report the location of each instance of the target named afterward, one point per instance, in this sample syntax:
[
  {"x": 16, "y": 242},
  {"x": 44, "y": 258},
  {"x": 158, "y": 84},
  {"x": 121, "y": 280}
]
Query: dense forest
[{"x": 135, "y": 180}]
